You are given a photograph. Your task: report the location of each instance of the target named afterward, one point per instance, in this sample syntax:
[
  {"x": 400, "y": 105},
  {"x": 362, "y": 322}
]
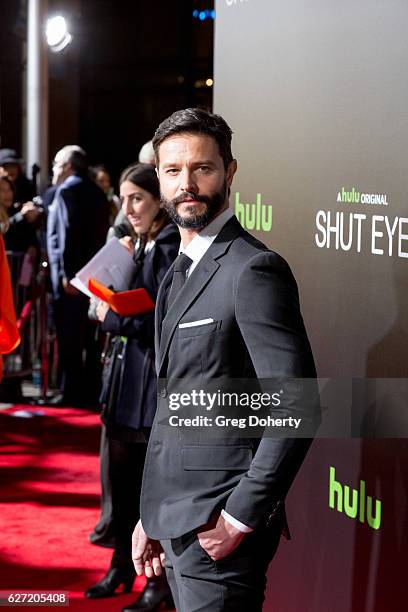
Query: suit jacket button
[{"x": 163, "y": 392}]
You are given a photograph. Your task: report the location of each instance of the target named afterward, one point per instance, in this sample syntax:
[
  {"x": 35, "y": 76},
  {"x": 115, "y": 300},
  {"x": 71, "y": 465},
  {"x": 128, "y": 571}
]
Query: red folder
[{"x": 124, "y": 303}]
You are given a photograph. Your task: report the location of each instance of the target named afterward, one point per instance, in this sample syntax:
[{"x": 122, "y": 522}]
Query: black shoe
[
  {"x": 57, "y": 401},
  {"x": 155, "y": 593},
  {"x": 62, "y": 401},
  {"x": 67, "y": 401},
  {"x": 113, "y": 579}
]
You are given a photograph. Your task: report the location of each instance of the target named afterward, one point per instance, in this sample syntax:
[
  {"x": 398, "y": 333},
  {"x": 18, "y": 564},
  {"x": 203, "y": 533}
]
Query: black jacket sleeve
[{"x": 138, "y": 326}]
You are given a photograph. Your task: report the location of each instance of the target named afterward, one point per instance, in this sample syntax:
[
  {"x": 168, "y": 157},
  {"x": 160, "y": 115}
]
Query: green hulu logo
[
  {"x": 355, "y": 502},
  {"x": 256, "y": 216},
  {"x": 351, "y": 197}
]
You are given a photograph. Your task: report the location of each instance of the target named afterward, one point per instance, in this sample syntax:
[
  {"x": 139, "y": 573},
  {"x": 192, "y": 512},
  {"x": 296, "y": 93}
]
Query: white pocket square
[{"x": 196, "y": 323}]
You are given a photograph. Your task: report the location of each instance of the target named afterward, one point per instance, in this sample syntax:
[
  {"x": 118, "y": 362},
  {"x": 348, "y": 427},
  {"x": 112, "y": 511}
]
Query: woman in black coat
[{"x": 129, "y": 391}]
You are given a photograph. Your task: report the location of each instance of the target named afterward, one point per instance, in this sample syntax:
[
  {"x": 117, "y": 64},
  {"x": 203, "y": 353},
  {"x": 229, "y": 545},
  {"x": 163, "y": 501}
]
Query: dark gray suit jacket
[
  {"x": 258, "y": 332},
  {"x": 77, "y": 224}
]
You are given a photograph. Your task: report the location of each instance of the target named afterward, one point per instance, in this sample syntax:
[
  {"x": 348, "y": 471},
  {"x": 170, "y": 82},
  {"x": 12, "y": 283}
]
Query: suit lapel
[
  {"x": 195, "y": 284},
  {"x": 193, "y": 287}
]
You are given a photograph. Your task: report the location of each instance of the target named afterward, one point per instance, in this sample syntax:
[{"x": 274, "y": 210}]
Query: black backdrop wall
[{"x": 316, "y": 93}]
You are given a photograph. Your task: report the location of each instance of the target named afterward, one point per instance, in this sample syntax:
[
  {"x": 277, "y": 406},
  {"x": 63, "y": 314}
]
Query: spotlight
[{"x": 57, "y": 33}]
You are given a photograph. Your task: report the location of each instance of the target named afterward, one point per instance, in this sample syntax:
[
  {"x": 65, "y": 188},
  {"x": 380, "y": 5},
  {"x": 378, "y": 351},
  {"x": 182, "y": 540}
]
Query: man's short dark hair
[
  {"x": 79, "y": 161},
  {"x": 196, "y": 121}
]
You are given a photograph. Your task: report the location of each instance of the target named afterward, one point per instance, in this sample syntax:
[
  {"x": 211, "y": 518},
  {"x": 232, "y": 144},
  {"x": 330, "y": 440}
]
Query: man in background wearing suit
[
  {"x": 212, "y": 509},
  {"x": 78, "y": 220}
]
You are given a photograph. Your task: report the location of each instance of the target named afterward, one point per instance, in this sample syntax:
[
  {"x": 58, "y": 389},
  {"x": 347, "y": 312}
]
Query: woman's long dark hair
[
  {"x": 4, "y": 214},
  {"x": 144, "y": 176}
]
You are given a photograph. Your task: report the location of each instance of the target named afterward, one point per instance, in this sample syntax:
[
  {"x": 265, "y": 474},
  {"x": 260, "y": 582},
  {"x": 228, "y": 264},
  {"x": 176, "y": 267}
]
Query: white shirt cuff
[{"x": 237, "y": 524}]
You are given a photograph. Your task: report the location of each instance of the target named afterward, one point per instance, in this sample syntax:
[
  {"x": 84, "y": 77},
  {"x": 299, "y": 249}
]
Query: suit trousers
[
  {"x": 235, "y": 583},
  {"x": 126, "y": 461}
]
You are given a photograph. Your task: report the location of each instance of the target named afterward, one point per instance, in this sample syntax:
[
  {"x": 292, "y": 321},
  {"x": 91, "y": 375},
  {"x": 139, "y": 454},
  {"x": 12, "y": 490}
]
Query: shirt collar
[{"x": 200, "y": 244}]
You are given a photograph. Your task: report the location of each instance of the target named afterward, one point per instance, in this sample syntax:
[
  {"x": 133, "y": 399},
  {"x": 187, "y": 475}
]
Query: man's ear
[{"x": 231, "y": 170}]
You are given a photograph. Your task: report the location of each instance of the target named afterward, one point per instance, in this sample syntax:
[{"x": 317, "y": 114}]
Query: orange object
[
  {"x": 124, "y": 303},
  {"x": 9, "y": 335}
]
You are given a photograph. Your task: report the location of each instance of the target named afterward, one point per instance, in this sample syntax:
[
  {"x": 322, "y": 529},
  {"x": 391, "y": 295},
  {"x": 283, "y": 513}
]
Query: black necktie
[
  {"x": 139, "y": 252},
  {"x": 181, "y": 265},
  {"x": 138, "y": 257}
]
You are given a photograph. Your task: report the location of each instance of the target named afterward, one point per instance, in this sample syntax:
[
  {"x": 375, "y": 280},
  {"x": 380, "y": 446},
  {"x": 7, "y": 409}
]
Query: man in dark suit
[
  {"x": 78, "y": 220},
  {"x": 228, "y": 309}
]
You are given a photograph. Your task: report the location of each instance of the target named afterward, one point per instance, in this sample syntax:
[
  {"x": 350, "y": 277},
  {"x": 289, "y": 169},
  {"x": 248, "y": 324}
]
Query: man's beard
[{"x": 214, "y": 203}]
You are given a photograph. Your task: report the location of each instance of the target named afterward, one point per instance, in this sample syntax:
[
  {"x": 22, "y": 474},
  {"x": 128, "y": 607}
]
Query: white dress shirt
[
  {"x": 196, "y": 249},
  {"x": 200, "y": 244}
]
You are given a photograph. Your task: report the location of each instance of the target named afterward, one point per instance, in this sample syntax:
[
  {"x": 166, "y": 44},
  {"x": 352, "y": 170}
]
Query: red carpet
[{"x": 49, "y": 503}]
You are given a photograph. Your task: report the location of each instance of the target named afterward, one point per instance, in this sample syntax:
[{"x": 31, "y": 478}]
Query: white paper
[
  {"x": 112, "y": 266},
  {"x": 78, "y": 284}
]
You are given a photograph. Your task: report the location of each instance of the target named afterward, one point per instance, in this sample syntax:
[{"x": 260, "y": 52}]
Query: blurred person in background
[
  {"x": 49, "y": 194},
  {"x": 21, "y": 235},
  {"x": 146, "y": 154},
  {"x": 21, "y": 242},
  {"x": 9, "y": 335},
  {"x": 102, "y": 532},
  {"x": 129, "y": 392},
  {"x": 120, "y": 227},
  {"x": 78, "y": 220},
  {"x": 11, "y": 165},
  {"x": 102, "y": 178},
  {"x": 4, "y": 218}
]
